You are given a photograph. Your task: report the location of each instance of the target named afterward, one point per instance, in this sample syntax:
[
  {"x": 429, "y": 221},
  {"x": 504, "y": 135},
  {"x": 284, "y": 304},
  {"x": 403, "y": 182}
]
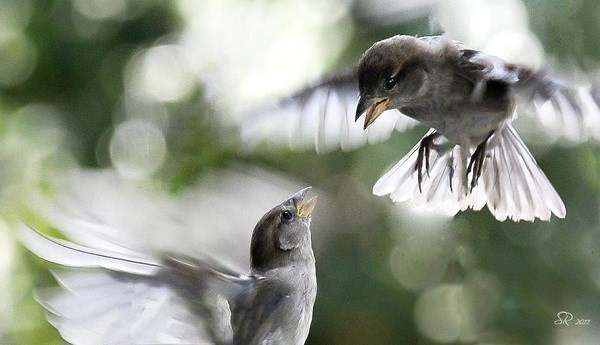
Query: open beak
[
  {"x": 304, "y": 205},
  {"x": 373, "y": 106}
]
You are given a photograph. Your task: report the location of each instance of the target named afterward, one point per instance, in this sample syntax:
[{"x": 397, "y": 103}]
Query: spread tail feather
[
  {"x": 512, "y": 184},
  {"x": 443, "y": 186},
  {"x": 515, "y": 185}
]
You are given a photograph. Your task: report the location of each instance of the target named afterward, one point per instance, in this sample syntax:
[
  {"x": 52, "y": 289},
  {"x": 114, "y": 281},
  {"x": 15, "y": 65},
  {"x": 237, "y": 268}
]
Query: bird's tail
[
  {"x": 442, "y": 187},
  {"x": 512, "y": 184},
  {"x": 515, "y": 186}
]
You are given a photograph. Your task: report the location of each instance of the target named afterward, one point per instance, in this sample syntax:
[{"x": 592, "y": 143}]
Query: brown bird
[{"x": 472, "y": 156}]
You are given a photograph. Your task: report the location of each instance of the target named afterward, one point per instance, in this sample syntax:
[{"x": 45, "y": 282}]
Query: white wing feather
[
  {"x": 70, "y": 254},
  {"x": 321, "y": 117},
  {"x": 125, "y": 305},
  {"x": 96, "y": 307}
]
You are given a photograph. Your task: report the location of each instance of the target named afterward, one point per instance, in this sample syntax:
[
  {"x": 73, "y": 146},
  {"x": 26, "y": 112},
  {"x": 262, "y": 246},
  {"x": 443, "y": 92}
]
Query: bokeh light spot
[
  {"x": 161, "y": 74},
  {"x": 418, "y": 264},
  {"x": 137, "y": 149},
  {"x": 18, "y": 57},
  {"x": 442, "y": 315},
  {"x": 15, "y": 14},
  {"x": 101, "y": 9}
]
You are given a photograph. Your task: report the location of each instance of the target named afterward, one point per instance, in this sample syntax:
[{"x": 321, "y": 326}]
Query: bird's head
[
  {"x": 392, "y": 74},
  {"x": 283, "y": 234}
]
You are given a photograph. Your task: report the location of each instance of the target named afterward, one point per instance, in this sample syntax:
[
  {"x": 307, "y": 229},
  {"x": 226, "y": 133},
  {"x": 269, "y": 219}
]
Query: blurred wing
[
  {"x": 98, "y": 307},
  {"x": 70, "y": 254},
  {"x": 129, "y": 304},
  {"x": 320, "y": 116},
  {"x": 573, "y": 113},
  {"x": 100, "y": 209},
  {"x": 567, "y": 112}
]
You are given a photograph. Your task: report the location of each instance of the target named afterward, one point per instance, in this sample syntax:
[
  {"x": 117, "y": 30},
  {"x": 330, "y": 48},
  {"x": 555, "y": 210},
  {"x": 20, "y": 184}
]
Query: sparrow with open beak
[
  {"x": 472, "y": 156},
  {"x": 467, "y": 98},
  {"x": 127, "y": 297}
]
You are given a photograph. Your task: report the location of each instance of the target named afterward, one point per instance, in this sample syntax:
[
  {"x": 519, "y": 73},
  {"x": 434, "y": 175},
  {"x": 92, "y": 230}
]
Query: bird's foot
[
  {"x": 476, "y": 162},
  {"x": 423, "y": 156}
]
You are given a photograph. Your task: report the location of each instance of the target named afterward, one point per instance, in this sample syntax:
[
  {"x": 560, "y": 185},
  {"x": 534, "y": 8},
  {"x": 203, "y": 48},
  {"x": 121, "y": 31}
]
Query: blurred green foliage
[{"x": 541, "y": 267}]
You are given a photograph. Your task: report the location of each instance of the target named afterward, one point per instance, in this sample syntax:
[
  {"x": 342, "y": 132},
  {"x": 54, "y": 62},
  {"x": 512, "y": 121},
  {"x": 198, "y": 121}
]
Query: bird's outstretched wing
[
  {"x": 321, "y": 116},
  {"x": 101, "y": 307},
  {"x": 572, "y": 113},
  {"x": 101, "y": 209},
  {"x": 66, "y": 253},
  {"x": 113, "y": 298}
]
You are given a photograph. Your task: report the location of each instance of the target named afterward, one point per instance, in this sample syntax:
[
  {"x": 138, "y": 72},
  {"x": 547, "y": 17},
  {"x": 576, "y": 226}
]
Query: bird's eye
[
  {"x": 390, "y": 83},
  {"x": 287, "y": 215}
]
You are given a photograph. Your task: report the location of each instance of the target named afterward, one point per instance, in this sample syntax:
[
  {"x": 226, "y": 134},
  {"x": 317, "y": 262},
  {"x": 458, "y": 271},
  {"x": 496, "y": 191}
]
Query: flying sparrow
[{"x": 472, "y": 156}]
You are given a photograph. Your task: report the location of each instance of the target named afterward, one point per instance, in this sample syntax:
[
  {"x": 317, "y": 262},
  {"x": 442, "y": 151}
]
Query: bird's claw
[
  {"x": 476, "y": 162},
  {"x": 423, "y": 157}
]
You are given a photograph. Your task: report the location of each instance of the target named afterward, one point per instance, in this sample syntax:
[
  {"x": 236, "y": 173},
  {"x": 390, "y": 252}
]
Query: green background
[{"x": 516, "y": 276}]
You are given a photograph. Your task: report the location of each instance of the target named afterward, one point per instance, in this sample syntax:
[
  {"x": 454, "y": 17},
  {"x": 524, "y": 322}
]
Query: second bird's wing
[
  {"x": 321, "y": 116},
  {"x": 215, "y": 218},
  {"x": 114, "y": 298}
]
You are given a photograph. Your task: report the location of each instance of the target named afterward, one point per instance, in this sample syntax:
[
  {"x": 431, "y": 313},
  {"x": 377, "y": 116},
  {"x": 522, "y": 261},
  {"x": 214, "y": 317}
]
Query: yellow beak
[
  {"x": 304, "y": 206},
  {"x": 377, "y": 106}
]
